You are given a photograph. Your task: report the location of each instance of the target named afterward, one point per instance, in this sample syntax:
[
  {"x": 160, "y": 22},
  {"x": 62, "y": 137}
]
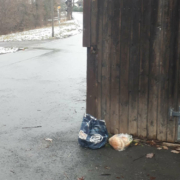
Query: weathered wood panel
[
  {"x": 115, "y": 65},
  {"x": 173, "y": 69},
  {"x": 144, "y": 67},
  {"x": 178, "y": 62},
  {"x": 133, "y": 65},
  {"x": 153, "y": 83},
  {"x": 105, "y": 66},
  {"x": 86, "y": 23},
  {"x": 163, "y": 78},
  {"x": 124, "y": 65},
  {"x": 92, "y": 89},
  {"x": 94, "y": 20},
  {"x": 99, "y": 56}
]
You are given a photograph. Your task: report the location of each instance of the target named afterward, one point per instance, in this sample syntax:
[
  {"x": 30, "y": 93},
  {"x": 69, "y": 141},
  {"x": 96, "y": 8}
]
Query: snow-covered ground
[
  {"x": 65, "y": 29},
  {"x": 8, "y": 50}
]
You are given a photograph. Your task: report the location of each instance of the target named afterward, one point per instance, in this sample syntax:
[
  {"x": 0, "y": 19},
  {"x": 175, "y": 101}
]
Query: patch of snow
[
  {"x": 65, "y": 29},
  {"x": 8, "y": 50}
]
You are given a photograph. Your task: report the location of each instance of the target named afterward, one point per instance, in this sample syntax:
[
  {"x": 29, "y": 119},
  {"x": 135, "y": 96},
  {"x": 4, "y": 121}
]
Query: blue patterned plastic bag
[{"x": 93, "y": 133}]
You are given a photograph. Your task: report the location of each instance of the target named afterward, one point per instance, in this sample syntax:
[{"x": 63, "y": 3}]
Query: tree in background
[
  {"x": 69, "y": 9},
  {"x": 78, "y": 6},
  {"x": 19, "y": 15},
  {"x": 80, "y": 3}
]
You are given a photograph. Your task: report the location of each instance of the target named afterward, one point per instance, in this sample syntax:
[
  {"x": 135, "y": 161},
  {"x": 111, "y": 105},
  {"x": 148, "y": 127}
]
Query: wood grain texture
[
  {"x": 105, "y": 66},
  {"x": 99, "y": 57},
  {"x": 153, "y": 85},
  {"x": 178, "y": 61},
  {"x": 92, "y": 91},
  {"x": 173, "y": 69},
  {"x": 124, "y": 66},
  {"x": 94, "y": 20},
  {"x": 144, "y": 68},
  {"x": 164, "y": 71},
  {"x": 86, "y": 23},
  {"x": 134, "y": 66},
  {"x": 115, "y": 65}
]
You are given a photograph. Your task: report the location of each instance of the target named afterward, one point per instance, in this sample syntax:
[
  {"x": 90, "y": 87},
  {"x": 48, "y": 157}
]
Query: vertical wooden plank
[
  {"x": 178, "y": 60},
  {"x": 106, "y": 40},
  {"x": 115, "y": 65},
  {"x": 94, "y": 25},
  {"x": 144, "y": 67},
  {"x": 91, "y": 103},
  {"x": 134, "y": 66},
  {"x": 92, "y": 64},
  {"x": 173, "y": 69},
  {"x": 177, "y": 129},
  {"x": 164, "y": 70},
  {"x": 94, "y": 35},
  {"x": 99, "y": 56},
  {"x": 86, "y": 23},
  {"x": 124, "y": 65},
  {"x": 155, "y": 44},
  {"x": 89, "y": 81}
]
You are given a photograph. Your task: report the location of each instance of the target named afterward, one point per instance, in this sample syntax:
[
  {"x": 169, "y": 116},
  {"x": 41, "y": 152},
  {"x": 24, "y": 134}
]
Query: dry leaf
[
  {"x": 152, "y": 178},
  {"x": 48, "y": 139},
  {"x": 178, "y": 149},
  {"x": 106, "y": 167},
  {"x": 153, "y": 143},
  {"x": 82, "y": 178},
  {"x": 174, "y": 151},
  {"x": 136, "y": 144},
  {"x": 47, "y": 146},
  {"x": 159, "y": 148},
  {"x": 165, "y": 147},
  {"x": 136, "y": 140},
  {"x": 150, "y": 155}
]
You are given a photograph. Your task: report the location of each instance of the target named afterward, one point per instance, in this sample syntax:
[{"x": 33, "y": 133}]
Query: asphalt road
[
  {"x": 45, "y": 87},
  {"x": 42, "y": 86}
]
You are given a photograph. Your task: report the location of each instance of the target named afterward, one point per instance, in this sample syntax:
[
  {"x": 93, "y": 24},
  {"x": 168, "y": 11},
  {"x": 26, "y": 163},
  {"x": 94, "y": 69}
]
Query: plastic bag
[
  {"x": 120, "y": 141},
  {"x": 93, "y": 133}
]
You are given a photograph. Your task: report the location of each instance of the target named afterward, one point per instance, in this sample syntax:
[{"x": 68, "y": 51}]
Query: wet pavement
[{"x": 43, "y": 95}]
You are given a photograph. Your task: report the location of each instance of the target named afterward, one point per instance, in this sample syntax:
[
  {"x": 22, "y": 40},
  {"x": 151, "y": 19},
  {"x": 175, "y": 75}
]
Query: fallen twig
[
  {"x": 139, "y": 158},
  {"x": 105, "y": 174},
  {"x": 31, "y": 127},
  {"x": 66, "y": 175}
]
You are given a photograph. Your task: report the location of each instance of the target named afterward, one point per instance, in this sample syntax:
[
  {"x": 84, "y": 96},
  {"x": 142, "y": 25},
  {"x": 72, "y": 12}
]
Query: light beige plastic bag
[{"x": 120, "y": 141}]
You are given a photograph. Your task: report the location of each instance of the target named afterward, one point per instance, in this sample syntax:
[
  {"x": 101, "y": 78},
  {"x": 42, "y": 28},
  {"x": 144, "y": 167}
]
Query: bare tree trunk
[
  {"x": 52, "y": 16},
  {"x": 69, "y": 9},
  {"x": 72, "y": 8}
]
